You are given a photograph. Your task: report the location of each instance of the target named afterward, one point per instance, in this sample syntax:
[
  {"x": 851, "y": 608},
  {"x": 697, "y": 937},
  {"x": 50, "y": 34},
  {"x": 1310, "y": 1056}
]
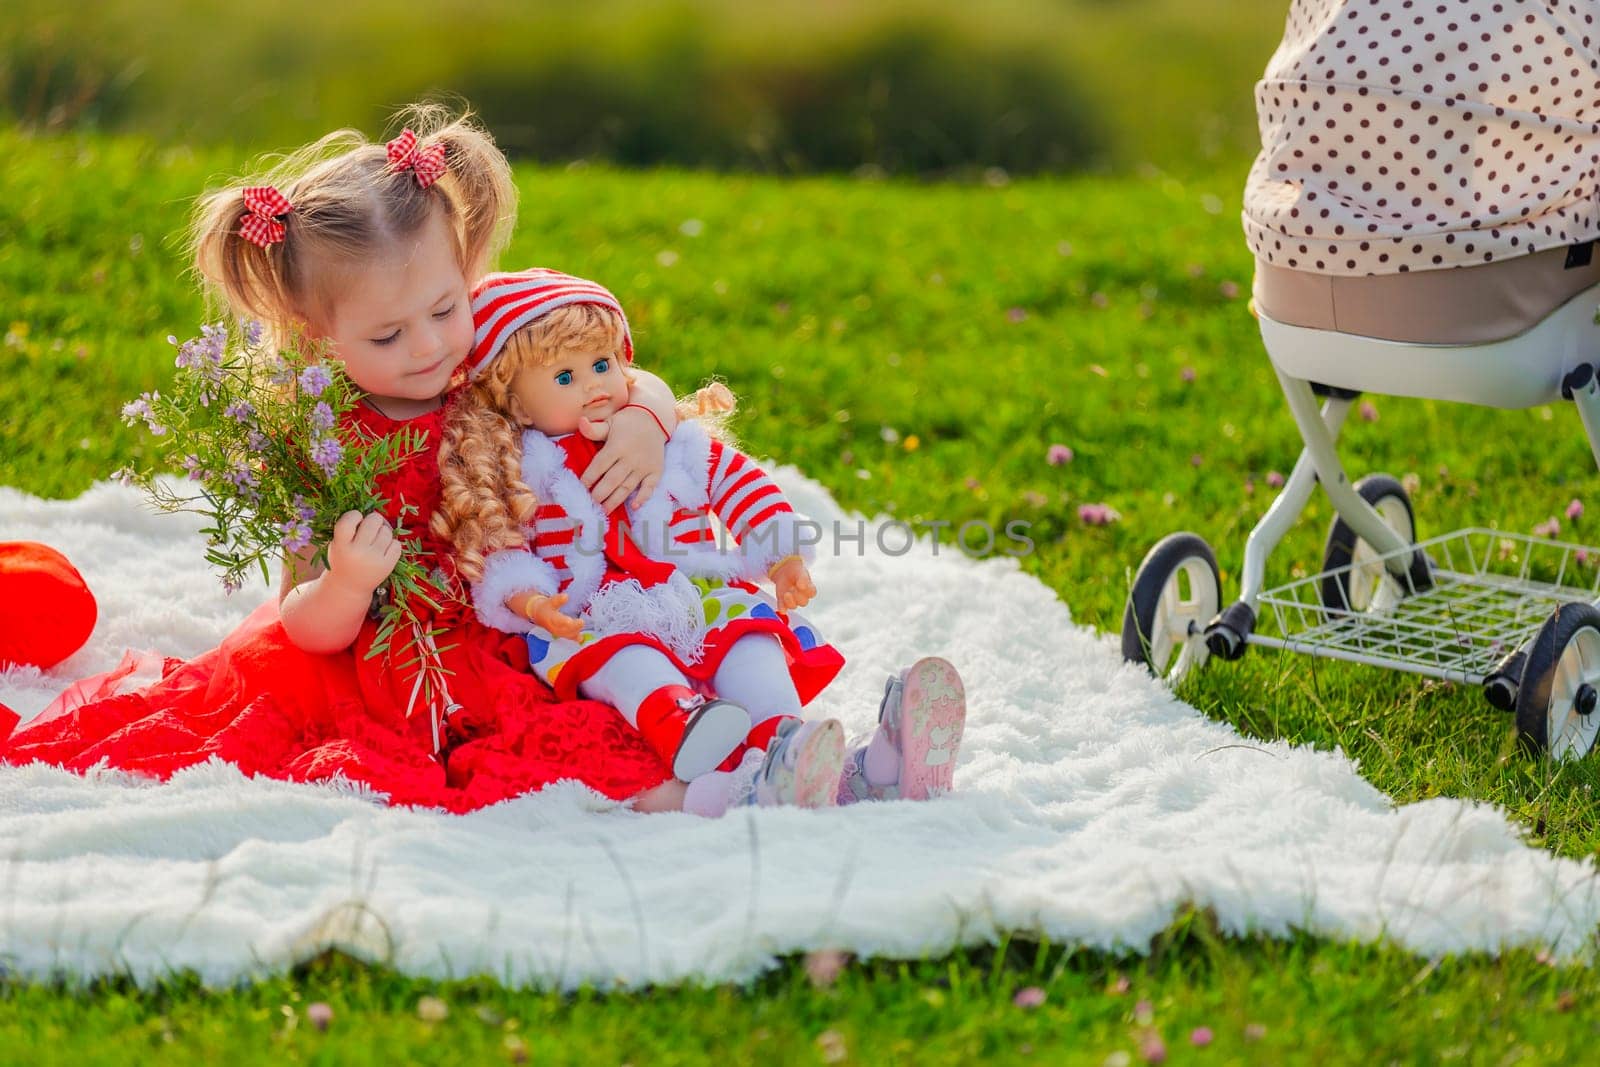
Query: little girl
[
  {"x": 641, "y": 607},
  {"x": 371, "y": 247}
]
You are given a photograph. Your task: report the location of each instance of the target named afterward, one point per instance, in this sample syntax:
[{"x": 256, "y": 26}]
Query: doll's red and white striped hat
[{"x": 502, "y": 304}]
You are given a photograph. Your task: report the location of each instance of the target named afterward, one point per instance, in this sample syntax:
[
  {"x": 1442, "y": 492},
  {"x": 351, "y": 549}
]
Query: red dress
[{"x": 260, "y": 702}]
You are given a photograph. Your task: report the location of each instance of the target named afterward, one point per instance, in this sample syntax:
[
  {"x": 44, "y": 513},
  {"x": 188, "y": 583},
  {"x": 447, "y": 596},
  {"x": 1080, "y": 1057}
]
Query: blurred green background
[{"x": 927, "y": 87}]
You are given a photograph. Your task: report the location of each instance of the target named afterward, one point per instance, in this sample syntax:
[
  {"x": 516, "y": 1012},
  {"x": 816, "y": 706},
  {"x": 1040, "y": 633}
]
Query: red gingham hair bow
[
  {"x": 426, "y": 163},
  {"x": 261, "y": 226}
]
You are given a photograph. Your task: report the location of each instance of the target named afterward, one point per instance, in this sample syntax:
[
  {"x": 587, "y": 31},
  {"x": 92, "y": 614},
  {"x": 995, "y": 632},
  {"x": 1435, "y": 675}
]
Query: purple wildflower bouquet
[{"x": 270, "y": 467}]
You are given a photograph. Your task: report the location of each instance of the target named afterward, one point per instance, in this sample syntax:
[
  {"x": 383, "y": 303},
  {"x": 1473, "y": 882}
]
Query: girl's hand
[
  {"x": 545, "y": 611},
  {"x": 364, "y": 551},
  {"x": 632, "y": 459},
  {"x": 794, "y": 585}
]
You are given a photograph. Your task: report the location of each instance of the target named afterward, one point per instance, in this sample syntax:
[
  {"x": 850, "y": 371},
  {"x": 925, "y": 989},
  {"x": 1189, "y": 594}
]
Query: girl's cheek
[{"x": 464, "y": 344}]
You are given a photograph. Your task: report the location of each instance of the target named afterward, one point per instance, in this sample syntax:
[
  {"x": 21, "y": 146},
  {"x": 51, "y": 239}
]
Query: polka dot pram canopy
[{"x": 1404, "y": 135}]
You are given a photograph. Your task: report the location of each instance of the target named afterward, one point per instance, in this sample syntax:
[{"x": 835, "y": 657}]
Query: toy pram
[{"x": 1512, "y": 613}]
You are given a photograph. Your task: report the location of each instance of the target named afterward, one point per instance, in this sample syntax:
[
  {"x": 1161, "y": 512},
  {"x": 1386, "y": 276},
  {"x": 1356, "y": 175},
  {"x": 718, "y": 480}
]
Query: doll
[{"x": 642, "y": 608}]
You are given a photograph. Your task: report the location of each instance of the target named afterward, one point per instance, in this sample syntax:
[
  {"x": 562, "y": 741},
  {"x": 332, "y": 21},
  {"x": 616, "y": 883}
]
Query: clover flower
[
  {"x": 1097, "y": 514},
  {"x": 1029, "y": 997},
  {"x": 319, "y": 1014}
]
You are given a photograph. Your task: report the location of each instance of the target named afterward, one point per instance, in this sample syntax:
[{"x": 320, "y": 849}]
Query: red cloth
[
  {"x": 624, "y": 559},
  {"x": 261, "y": 703},
  {"x": 46, "y": 609}
]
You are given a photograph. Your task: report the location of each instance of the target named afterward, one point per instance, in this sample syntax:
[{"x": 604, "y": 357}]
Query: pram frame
[{"x": 1394, "y": 631}]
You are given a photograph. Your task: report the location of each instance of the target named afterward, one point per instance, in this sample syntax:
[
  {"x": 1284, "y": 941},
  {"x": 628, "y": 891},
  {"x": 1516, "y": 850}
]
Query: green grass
[
  {"x": 988, "y": 323},
  {"x": 1271, "y": 1002}
]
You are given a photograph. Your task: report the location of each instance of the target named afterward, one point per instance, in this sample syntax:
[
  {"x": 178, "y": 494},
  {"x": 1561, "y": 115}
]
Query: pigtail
[
  {"x": 349, "y": 203},
  {"x": 334, "y": 215},
  {"x": 484, "y": 504},
  {"x": 477, "y": 182},
  {"x": 233, "y": 270},
  {"x": 712, "y": 405}
]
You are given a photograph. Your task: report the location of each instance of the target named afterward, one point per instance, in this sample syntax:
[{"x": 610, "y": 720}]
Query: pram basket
[{"x": 1512, "y": 613}]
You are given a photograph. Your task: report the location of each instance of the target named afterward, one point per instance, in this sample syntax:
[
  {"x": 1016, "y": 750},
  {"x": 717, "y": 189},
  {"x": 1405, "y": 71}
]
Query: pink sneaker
[
  {"x": 923, "y": 715},
  {"x": 802, "y": 765}
]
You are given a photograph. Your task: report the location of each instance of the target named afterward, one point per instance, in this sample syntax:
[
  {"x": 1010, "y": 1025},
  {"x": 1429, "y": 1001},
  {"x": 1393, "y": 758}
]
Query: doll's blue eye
[
  {"x": 602, "y": 365},
  {"x": 564, "y": 378}
]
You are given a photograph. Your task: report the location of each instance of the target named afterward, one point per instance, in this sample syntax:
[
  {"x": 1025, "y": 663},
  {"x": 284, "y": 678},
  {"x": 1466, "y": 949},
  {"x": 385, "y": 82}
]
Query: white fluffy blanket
[{"x": 1090, "y": 805}]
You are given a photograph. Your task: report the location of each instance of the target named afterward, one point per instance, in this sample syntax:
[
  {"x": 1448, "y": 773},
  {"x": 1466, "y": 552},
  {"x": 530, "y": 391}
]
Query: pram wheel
[
  {"x": 1175, "y": 593},
  {"x": 1356, "y": 580},
  {"x": 1556, "y": 710}
]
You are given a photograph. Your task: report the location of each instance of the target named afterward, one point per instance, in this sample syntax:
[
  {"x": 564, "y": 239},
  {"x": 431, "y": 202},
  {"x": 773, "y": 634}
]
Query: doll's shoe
[
  {"x": 694, "y": 734},
  {"x": 923, "y": 715},
  {"x": 803, "y": 765}
]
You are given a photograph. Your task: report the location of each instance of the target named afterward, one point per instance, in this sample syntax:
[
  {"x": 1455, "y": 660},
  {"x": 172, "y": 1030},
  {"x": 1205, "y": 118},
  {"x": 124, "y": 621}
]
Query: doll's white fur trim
[
  {"x": 705, "y": 560},
  {"x": 544, "y": 469},
  {"x": 686, "y": 483},
  {"x": 506, "y": 573},
  {"x": 671, "y": 611},
  {"x": 685, "y": 472}
]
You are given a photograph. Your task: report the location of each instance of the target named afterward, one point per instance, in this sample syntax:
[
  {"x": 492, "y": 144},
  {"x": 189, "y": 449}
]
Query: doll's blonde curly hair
[{"x": 485, "y": 505}]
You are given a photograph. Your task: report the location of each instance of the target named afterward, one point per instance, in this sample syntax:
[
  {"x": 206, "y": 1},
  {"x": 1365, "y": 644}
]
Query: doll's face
[{"x": 577, "y": 385}]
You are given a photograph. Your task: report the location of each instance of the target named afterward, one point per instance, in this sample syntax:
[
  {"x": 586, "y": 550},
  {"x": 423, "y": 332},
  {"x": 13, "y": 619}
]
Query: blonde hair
[
  {"x": 484, "y": 503},
  {"x": 349, "y": 207}
]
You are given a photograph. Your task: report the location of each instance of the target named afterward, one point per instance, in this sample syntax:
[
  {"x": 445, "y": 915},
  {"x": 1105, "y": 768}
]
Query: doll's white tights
[{"x": 754, "y": 674}]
